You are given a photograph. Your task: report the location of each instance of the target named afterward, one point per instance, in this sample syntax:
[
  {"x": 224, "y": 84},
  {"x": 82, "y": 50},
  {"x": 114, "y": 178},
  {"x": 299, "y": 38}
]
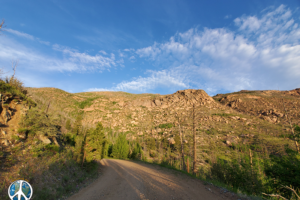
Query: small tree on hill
[{"x": 121, "y": 148}]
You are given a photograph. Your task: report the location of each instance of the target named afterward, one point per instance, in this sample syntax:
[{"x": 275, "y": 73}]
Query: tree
[
  {"x": 137, "y": 151},
  {"x": 94, "y": 143},
  {"x": 194, "y": 141},
  {"x": 181, "y": 143},
  {"x": 77, "y": 125},
  {"x": 121, "y": 148},
  {"x": 68, "y": 125}
]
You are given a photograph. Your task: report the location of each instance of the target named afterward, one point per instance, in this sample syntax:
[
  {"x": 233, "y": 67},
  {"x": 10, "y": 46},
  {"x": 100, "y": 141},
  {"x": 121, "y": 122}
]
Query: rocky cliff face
[
  {"x": 180, "y": 98},
  {"x": 268, "y": 105}
]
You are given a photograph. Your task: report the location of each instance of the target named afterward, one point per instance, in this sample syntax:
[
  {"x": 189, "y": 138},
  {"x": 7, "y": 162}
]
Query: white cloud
[
  {"x": 227, "y": 16},
  {"x": 128, "y": 49},
  {"x": 27, "y": 36},
  {"x": 165, "y": 79},
  {"x": 87, "y": 61},
  {"x": 103, "y": 52},
  {"x": 251, "y": 23},
  {"x": 20, "y": 34},
  {"x": 263, "y": 54},
  {"x": 73, "y": 60}
]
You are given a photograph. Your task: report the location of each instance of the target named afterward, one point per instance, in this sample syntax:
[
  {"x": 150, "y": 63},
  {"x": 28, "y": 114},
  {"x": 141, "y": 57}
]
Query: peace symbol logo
[{"x": 20, "y": 190}]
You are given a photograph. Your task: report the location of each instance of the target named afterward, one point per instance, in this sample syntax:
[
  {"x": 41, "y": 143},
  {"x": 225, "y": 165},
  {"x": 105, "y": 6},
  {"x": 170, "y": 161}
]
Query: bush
[
  {"x": 15, "y": 90},
  {"x": 284, "y": 170},
  {"x": 52, "y": 147},
  {"x": 36, "y": 121},
  {"x": 167, "y": 125},
  {"x": 22, "y": 130}
]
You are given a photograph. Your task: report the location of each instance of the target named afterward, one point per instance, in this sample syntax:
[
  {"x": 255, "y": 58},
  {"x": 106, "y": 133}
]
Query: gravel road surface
[{"x": 122, "y": 180}]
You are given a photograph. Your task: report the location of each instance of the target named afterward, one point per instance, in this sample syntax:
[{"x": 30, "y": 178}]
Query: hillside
[
  {"x": 237, "y": 136},
  {"x": 32, "y": 148},
  {"x": 237, "y": 118},
  {"x": 268, "y": 105}
]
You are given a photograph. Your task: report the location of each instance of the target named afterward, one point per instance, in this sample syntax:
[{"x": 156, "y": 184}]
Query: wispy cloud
[
  {"x": 20, "y": 34},
  {"x": 27, "y": 36},
  {"x": 72, "y": 61},
  {"x": 165, "y": 79},
  {"x": 227, "y": 16},
  {"x": 86, "y": 61},
  {"x": 263, "y": 54}
]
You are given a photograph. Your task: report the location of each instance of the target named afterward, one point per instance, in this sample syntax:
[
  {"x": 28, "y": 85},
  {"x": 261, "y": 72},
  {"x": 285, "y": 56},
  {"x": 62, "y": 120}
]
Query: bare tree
[
  {"x": 194, "y": 140},
  {"x": 181, "y": 136},
  {"x": 14, "y": 64},
  {"x": 1, "y": 25},
  {"x": 278, "y": 196}
]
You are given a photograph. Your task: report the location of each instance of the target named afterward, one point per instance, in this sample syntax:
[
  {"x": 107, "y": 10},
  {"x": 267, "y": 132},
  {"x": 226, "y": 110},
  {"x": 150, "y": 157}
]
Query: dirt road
[{"x": 122, "y": 180}]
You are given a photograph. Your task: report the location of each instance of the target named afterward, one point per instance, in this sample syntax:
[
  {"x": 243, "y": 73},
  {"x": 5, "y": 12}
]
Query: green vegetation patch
[
  {"x": 166, "y": 125},
  {"x": 86, "y": 103}
]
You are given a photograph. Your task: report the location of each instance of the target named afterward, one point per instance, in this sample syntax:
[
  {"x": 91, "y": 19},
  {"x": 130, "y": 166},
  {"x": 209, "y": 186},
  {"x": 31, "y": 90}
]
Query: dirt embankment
[{"x": 135, "y": 180}]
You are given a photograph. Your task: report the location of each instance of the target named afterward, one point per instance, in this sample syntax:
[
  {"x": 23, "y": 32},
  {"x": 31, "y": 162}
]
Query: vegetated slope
[
  {"x": 32, "y": 148},
  {"x": 145, "y": 116}
]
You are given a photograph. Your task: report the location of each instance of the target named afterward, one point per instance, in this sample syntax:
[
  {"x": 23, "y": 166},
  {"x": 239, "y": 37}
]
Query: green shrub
[
  {"x": 36, "y": 121},
  {"x": 167, "y": 125},
  {"x": 52, "y": 147},
  {"x": 86, "y": 103},
  {"x": 22, "y": 130},
  {"x": 15, "y": 90}
]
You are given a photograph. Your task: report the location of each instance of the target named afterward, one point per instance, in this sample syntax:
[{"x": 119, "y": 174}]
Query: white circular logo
[{"x": 20, "y": 190}]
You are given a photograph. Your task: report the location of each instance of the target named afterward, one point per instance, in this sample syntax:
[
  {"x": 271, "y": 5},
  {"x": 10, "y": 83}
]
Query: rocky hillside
[
  {"x": 242, "y": 118},
  {"x": 268, "y": 105}
]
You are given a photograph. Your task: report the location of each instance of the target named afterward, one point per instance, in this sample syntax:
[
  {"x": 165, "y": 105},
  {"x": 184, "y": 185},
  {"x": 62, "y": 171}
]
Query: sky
[{"x": 152, "y": 46}]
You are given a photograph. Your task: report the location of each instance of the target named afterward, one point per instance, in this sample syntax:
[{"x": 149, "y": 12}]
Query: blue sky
[{"x": 153, "y": 46}]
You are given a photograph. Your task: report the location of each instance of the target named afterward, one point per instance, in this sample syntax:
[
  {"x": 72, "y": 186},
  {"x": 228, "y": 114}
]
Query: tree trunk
[
  {"x": 194, "y": 141},
  {"x": 182, "y": 151}
]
